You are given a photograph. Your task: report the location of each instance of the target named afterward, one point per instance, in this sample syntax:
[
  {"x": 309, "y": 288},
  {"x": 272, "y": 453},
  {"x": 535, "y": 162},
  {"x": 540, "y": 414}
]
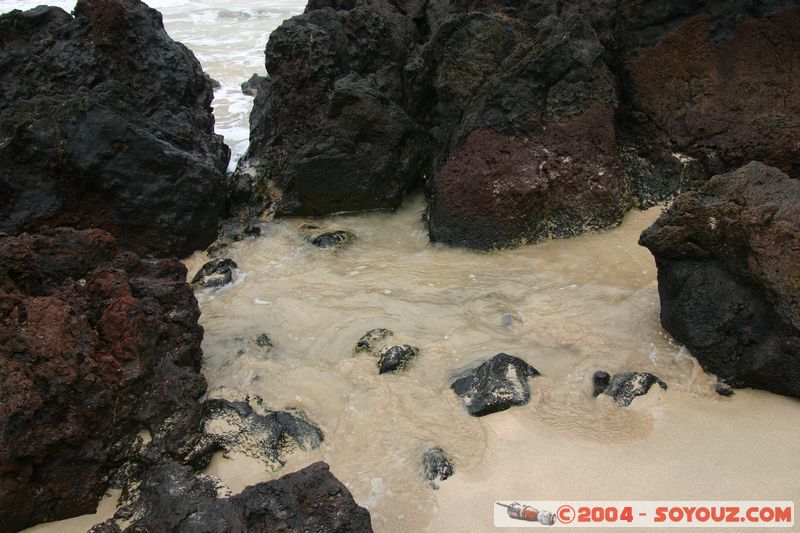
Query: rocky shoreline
[{"x": 521, "y": 121}]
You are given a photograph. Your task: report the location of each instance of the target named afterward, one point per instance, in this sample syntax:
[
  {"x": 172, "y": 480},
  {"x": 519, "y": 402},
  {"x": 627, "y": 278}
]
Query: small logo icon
[
  {"x": 517, "y": 511},
  {"x": 566, "y": 514}
]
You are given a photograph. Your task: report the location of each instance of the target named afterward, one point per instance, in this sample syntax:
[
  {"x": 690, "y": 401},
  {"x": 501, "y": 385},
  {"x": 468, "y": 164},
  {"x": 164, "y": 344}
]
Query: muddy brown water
[{"x": 567, "y": 307}]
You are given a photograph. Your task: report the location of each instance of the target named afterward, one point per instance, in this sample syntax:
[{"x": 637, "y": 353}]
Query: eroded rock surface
[
  {"x": 173, "y": 498},
  {"x": 249, "y": 428},
  {"x": 95, "y": 346},
  {"x": 495, "y": 385},
  {"x": 728, "y": 276},
  {"x": 625, "y": 386},
  {"x": 522, "y": 120},
  {"x": 106, "y": 122}
]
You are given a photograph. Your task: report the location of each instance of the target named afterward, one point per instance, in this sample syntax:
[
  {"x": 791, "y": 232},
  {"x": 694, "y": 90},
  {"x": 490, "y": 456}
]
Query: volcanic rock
[
  {"x": 534, "y": 153},
  {"x": 437, "y": 466},
  {"x": 95, "y": 346},
  {"x": 373, "y": 340},
  {"x": 333, "y": 239},
  {"x": 495, "y": 385},
  {"x": 173, "y": 498},
  {"x": 251, "y": 86},
  {"x": 107, "y": 122},
  {"x": 625, "y": 387},
  {"x": 215, "y": 273},
  {"x": 689, "y": 69},
  {"x": 728, "y": 280},
  {"x": 327, "y": 132},
  {"x": 396, "y": 358},
  {"x": 522, "y": 120},
  {"x": 246, "y": 427}
]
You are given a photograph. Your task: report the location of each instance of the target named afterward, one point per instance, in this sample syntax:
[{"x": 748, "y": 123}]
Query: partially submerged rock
[
  {"x": 373, "y": 340},
  {"x": 215, "y": 273},
  {"x": 396, "y": 358},
  {"x": 723, "y": 390},
  {"x": 728, "y": 276},
  {"x": 495, "y": 385},
  {"x": 247, "y": 427},
  {"x": 233, "y": 231},
  {"x": 252, "y": 85},
  {"x": 437, "y": 466},
  {"x": 173, "y": 498},
  {"x": 626, "y": 386},
  {"x": 106, "y": 122},
  {"x": 333, "y": 239},
  {"x": 264, "y": 341},
  {"x": 96, "y": 345}
]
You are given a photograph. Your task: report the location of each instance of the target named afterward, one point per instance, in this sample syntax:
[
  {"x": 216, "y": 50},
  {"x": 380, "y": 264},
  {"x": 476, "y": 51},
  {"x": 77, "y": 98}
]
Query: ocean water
[{"x": 567, "y": 307}]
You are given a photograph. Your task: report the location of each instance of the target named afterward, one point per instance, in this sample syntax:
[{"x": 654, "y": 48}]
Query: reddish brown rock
[
  {"x": 508, "y": 111},
  {"x": 728, "y": 276},
  {"x": 95, "y": 346},
  {"x": 716, "y": 85},
  {"x": 554, "y": 180},
  {"x": 535, "y": 152}
]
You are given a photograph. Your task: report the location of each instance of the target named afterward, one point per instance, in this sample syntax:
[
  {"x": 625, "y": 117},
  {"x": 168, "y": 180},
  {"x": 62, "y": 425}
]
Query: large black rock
[
  {"x": 173, "y": 498},
  {"x": 106, "y": 122},
  {"x": 522, "y": 120},
  {"x": 327, "y": 131},
  {"x": 728, "y": 276}
]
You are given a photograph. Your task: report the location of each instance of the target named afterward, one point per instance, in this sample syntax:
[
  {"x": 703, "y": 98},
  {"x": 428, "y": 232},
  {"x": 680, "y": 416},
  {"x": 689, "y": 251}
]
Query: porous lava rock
[
  {"x": 437, "y": 466},
  {"x": 106, "y": 122},
  {"x": 249, "y": 428},
  {"x": 173, "y": 498},
  {"x": 728, "y": 276},
  {"x": 710, "y": 87},
  {"x": 96, "y": 345},
  {"x": 625, "y": 386},
  {"x": 495, "y": 385},
  {"x": 521, "y": 120},
  {"x": 328, "y": 133}
]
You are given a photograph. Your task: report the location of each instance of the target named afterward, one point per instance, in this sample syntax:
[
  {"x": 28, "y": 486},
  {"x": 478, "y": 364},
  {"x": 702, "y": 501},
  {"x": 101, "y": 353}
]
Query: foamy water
[{"x": 567, "y": 307}]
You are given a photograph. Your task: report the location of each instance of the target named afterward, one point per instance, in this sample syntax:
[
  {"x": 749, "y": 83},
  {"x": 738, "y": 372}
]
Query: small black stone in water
[
  {"x": 437, "y": 465},
  {"x": 372, "y": 340},
  {"x": 625, "y": 387},
  {"x": 723, "y": 390},
  {"x": 215, "y": 273},
  {"x": 396, "y": 358},
  {"x": 333, "y": 239},
  {"x": 264, "y": 341},
  {"x": 252, "y": 85},
  {"x": 600, "y": 380}
]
